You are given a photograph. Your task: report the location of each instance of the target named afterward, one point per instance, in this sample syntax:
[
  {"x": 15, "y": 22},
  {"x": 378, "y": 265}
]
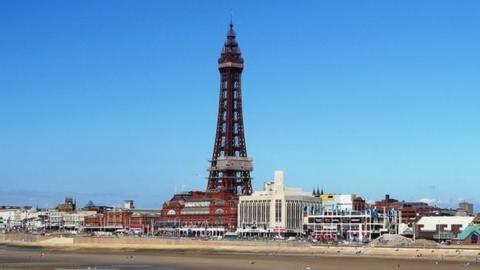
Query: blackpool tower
[{"x": 230, "y": 166}]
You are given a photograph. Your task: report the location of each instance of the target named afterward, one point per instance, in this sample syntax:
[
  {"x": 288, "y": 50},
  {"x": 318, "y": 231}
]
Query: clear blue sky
[{"x": 112, "y": 100}]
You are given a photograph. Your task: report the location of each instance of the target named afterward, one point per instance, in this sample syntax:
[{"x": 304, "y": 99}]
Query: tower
[{"x": 230, "y": 166}]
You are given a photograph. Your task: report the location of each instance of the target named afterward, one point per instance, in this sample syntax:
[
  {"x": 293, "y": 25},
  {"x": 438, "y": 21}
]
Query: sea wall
[
  {"x": 24, "y": 237},
  {"x": 177, "y": 242}
]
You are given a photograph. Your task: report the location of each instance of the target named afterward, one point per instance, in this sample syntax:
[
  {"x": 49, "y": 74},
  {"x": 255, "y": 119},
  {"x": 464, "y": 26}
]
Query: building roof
[
  {"x": 468, "y": 231},
  {"x": 89, "y": 204},
  {"x": 430, "y": 222}
]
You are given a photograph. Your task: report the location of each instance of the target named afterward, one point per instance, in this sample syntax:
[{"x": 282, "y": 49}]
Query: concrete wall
[
  {"x": 22, "y": 237},
  {"x": 173, "y": 242}
]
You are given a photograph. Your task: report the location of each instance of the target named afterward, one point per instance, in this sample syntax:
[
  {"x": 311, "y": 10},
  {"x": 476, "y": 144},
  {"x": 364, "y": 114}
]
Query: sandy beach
[
  {"x": 46, "y": 252},
  {"x": 41, "y": 259}
]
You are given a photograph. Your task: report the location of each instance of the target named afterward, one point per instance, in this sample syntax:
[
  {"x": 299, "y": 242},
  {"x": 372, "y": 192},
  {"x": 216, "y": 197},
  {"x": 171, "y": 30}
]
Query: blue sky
[{"x": 109, "y": 100}]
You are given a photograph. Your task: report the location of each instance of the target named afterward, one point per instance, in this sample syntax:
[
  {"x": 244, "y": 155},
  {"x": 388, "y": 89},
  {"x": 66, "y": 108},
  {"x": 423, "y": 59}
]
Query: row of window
[{"x": 236, "y": 84}]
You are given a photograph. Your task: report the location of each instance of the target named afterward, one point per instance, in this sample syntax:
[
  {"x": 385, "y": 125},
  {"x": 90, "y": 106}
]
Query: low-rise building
[
  {"x": 441, "y": 228},
  {"x": 17, "y": 218},
  {"x": 198, "y": 212},
  {"x": 124, "y": 219},
  {"x": 469, "y": 236},
  {"x": 7, "y": 216},
  {"x": 75, "y": 221},
  {"x": 69, "y": 205},
  {"x": 411, "y": 211},
  {"x": 467, "y": 208},
  {"x": 334, "y": 225},
  {"x": 343, "y": 202},
  {"x": 275, "y": 210}
]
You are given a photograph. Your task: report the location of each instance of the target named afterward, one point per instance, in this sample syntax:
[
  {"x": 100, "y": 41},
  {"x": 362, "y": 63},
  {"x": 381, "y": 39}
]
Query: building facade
[
  {"x": 275, "y": 210},
  {"x": 195, "y": 213},
  {"x": 441, "y": 228},
  {"x": 469, "y": 236},
  {"x": 467, "y": 208},
  {"x": 335, "y": 225},
  {"x": 345, "y": 202},
  {"x": 125, "y": 220},
  {"x": 411, "y": 211}
]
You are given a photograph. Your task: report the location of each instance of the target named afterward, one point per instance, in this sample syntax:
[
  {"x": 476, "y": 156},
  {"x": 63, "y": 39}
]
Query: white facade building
[
  {"x": 275, "y": 210},
  {"x": 7, "y": 217},
  {"x": 12, "y": 219},
  {"x": 351, "y": 225},
  {"x": 340, "y": 202},
  {"x": 441, "y": 227},
  {"x": 75, "y": 221}
]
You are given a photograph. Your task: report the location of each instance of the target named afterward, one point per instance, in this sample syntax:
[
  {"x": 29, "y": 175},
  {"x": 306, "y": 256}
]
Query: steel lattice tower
[{"x": 230, "y": 167}]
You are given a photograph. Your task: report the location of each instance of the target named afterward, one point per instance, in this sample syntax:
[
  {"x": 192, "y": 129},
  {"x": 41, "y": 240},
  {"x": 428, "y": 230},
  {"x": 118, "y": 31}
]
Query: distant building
[
  {"x": 467, "y": 207},
  {"x": 124, "y": 220},
  {"x": 7, "y": 217},
  {"x": 469, "y": 236},
  {"x": 345, "y": 202},
  {"x": 75, "y": 221},
  {"x": 128, "y": 204},
  {"x": 68, "y": 206},
  {"x": 441, "y": 228},
  {"x": 275, "y": 210},
  {"x": 90, "y": 206},
  {"x": 334, "y": 225},
  {"x": 411, "y": 211},
  {"x": 17, "y": 218}
]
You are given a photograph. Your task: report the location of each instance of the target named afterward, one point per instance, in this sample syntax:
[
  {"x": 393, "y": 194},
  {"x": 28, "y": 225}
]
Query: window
[
  {"x": 278, "y": 210},
  {"x": 474, "y": 238}
]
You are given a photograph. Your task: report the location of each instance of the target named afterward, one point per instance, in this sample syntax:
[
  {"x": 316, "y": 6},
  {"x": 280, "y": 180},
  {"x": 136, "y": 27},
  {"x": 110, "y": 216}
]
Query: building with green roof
[{"x": 469, "y": 236}]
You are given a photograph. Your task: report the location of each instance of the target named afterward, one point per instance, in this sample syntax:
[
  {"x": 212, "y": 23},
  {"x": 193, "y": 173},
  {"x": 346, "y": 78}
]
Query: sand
[
  {"x": 18, "y": 258},
  {"x": 44, "y": 253}
]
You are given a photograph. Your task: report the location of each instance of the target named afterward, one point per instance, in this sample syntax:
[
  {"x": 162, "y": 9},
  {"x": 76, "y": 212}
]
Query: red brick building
[
  {"x": 411, "y": 211},
  {"x": 200, "y": 209},
  {"x": 469, "y": 236},
  {"x": 145, "y": 221},
  {"x": 358, "y": 204}
]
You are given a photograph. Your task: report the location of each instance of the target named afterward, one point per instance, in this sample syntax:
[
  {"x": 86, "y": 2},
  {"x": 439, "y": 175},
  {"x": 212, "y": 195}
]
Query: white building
[
  {"x": 75, "y": 221},
  {"x": 431, "y": 223},
  {"x": 275, "y": 210},
  {"x": 338, "y": 201},
  {"x": 17, "y": 218},
  {"x": 49, "y": 219},
  {"x": 441, "y": 227},
  {"x": 7, "y": 217},
  {"x": 348, "y": 225}
]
